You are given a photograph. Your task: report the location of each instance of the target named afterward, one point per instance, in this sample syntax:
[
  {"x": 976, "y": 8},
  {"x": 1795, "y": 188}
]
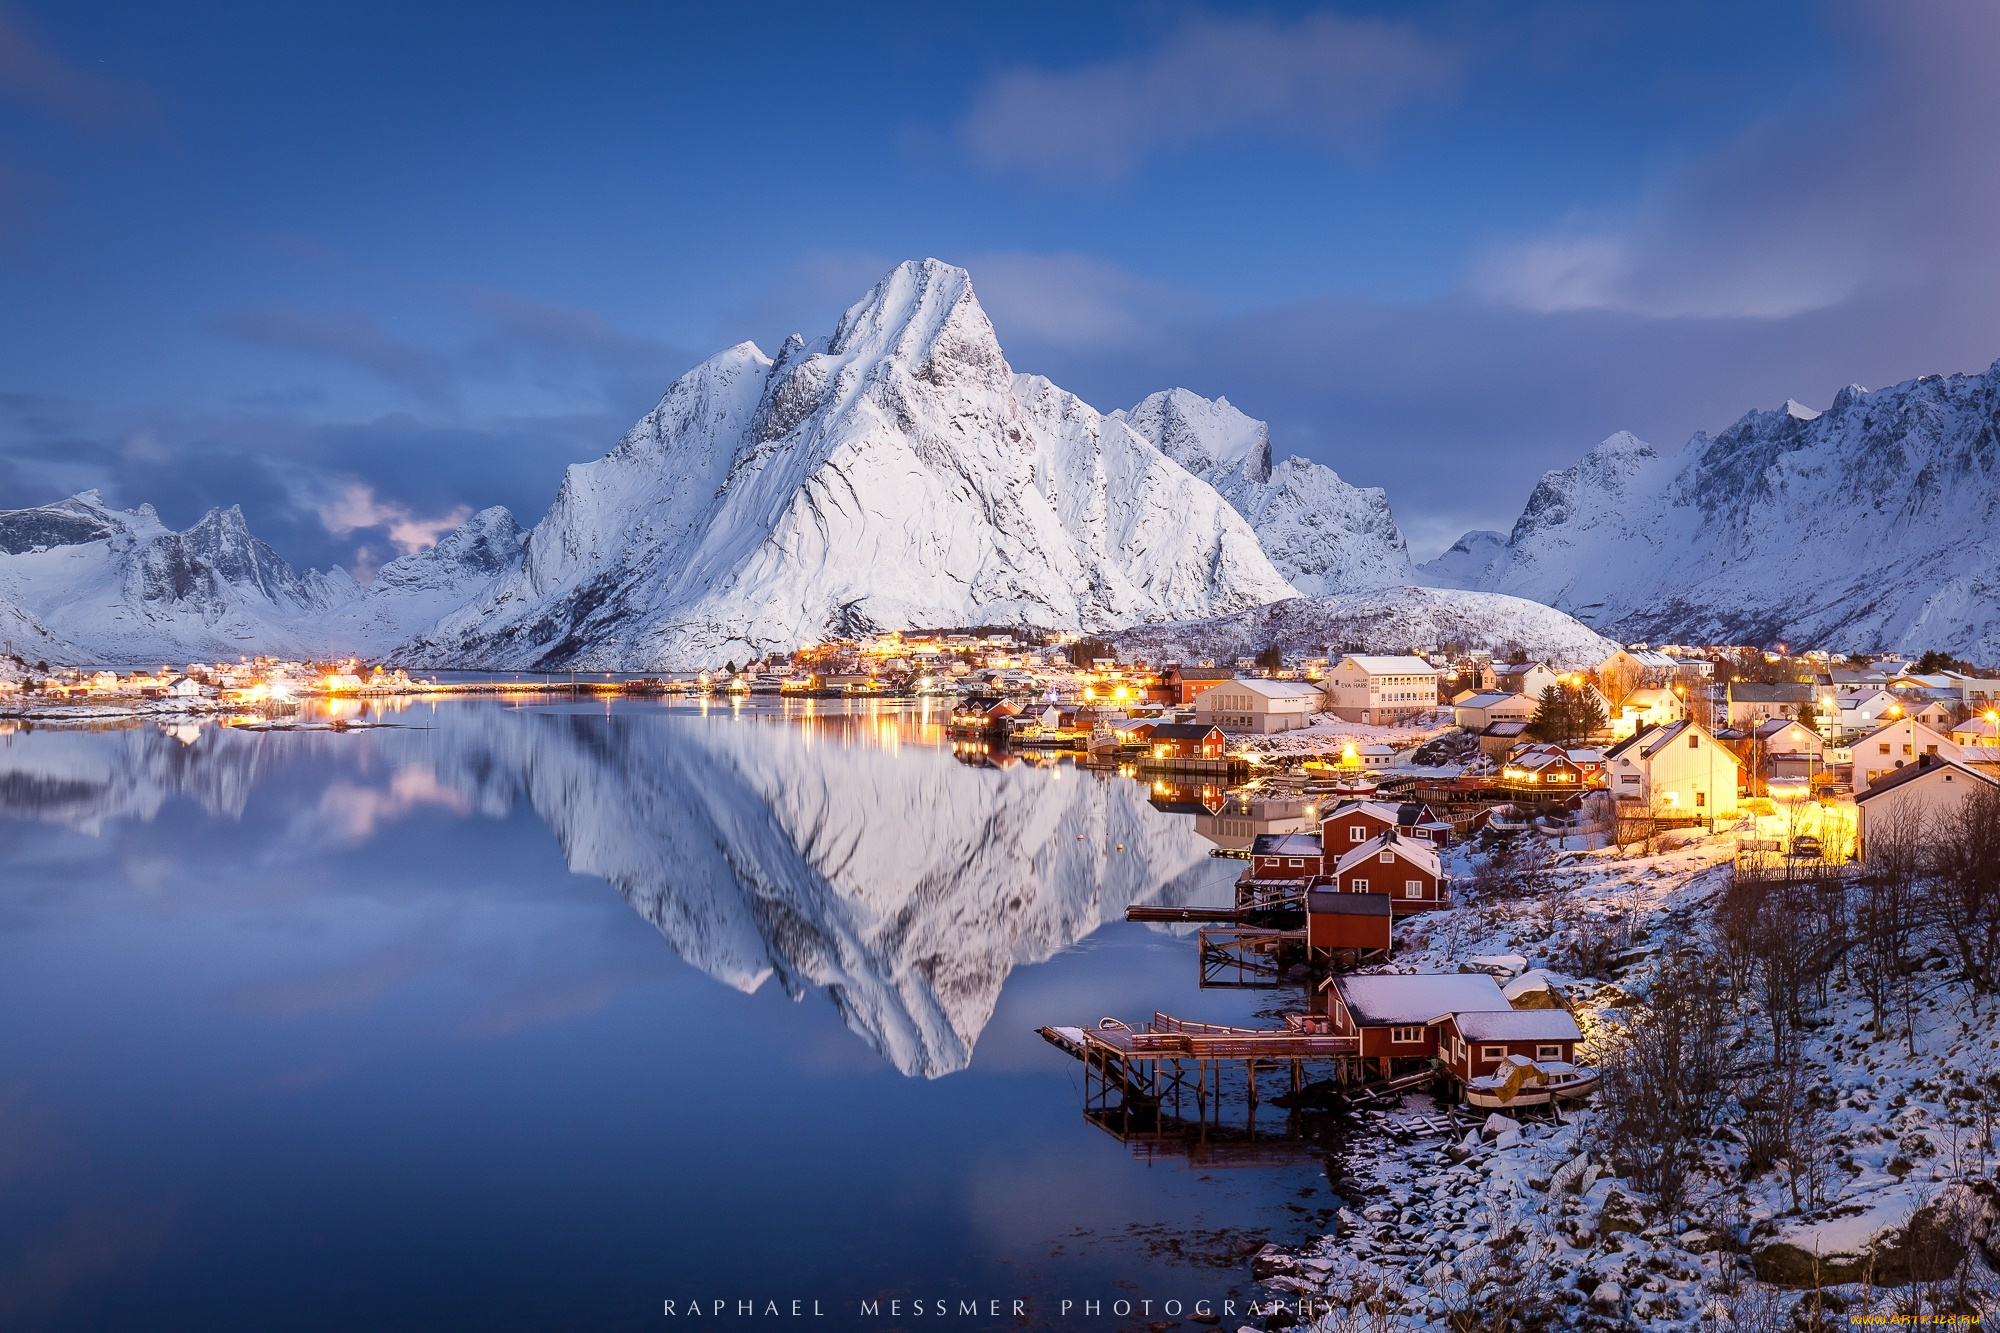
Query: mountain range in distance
[{"x": 898, "y": 473}]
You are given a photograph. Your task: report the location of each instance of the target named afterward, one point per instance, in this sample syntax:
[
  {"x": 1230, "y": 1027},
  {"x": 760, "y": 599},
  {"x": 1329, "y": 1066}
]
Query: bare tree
[
  {"x": 1963, "y": 886},
  {"x": 1663, "y": 1081},
  {"x": 1886, "y": 915}
]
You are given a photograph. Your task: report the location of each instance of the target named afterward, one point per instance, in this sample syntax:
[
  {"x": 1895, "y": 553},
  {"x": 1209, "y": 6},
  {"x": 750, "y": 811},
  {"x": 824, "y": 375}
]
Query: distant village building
[
  {"x": 1258, "y": 706},
  {"x": 1179, "y": 685},
  {"x": 1476, "y": 712},
  {"x": 1977, "y": 733},
  {"x": 1462, "y": 1018},
  {"x": 1647, "y": 706},
  {"x": 1337, "y": 922},
  {"x": 1751, "y": 705},
  {"x": 1407, "y": 869},
  {"x": 1187, "y": 740},
  {"x": 1382, "y": 690}
]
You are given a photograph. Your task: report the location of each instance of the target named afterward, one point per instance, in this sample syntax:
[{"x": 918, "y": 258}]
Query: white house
[
  {"x": 1476, "y": 712},
  {"x": 1262, "y": 706},
  {"x": 1676, "y": 769},
  {"x": 1978, "y": 733},
  {"x": 1649, "y": 706},
  {"x": 1915, "y": 797},
  {"x": 1896, "y": 745},
  {"x": 1861, "y": 711},
  {"x": 1529, "y": 678},
  {"x": 1382, "y": 690},
  {"x": 1751, "y": 705}
]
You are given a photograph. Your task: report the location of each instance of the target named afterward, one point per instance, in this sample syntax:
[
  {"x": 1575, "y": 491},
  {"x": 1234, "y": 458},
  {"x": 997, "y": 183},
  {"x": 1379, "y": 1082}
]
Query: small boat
[{"x": 1520, "y": 1081}]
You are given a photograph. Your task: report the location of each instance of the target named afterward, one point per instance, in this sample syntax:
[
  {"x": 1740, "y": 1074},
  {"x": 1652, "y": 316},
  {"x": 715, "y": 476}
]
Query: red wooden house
[
  {"x": 1187, "y": 740},
  {"x": 1338, "y": 922},
  {"x": 1285, "y": 856},
  {"x": 1407, "y": 869},
  {"x": 1399, "y": 1018},
  {"x": 1474, "y": 1043}
]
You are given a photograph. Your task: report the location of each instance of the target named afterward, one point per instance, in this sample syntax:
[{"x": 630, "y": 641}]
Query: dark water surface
[{"x": 537, "y": 1017}]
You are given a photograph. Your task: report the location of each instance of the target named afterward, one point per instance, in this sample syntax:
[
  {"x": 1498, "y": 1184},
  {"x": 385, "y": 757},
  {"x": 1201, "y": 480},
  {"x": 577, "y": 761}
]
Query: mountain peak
[{"x": 923, "y": 314}]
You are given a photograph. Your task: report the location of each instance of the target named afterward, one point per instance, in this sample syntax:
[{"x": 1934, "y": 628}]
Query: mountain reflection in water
[{"x": 844, "y": 850}]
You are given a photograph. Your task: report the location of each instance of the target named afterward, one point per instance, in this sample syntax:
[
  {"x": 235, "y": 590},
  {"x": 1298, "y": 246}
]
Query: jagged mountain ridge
[
  {"x": 895, "y": 474},
  {"x": 1869, "y": 525},
  {"x": 1324, "y": 535},
  {"x": 1379, "y": 620},
  {"x": 83, "y": 582}
]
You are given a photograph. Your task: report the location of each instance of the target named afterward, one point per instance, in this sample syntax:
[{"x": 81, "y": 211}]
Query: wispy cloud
[
  {"x": 1810, "y": 210},
  {"x": 1325, "y": 79},
  {"x": 355, "y": 507}
]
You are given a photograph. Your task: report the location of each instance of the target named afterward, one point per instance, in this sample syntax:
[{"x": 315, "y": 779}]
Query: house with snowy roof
[
  {"x": 1898, "y": 744},
  {"x": 1676, "y": 770},
  {"x": 1915, "y": 796},
  {"x": 1381, "y": 690}
]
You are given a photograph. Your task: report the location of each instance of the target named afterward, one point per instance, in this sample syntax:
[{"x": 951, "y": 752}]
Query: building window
[
  {"x": 1493, "y": 1052},
  {"x": 1548, "y": 1052},
  {"x": 1357, "y": 834},
  {"x": 1885, "y": 747},
  {"x": 1295, "y": 861},
  {"x": 1406, "y": 1036},
  {"x": 1700, "y": 799},
  {"x": 1694, "y": 742},
  {"x": 1357, "y": 886},
  {"x": 1413, "y": 888},
  {"x": 1387, "y": 857}
]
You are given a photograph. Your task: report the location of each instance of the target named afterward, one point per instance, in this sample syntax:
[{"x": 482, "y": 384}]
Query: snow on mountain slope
[
  {"x": 411, "y": 592},
  {"x": 117, "y": 586},
  {"x": 1382, "y": 620},
  {"x": 1869, "y": 525},
  {"x": 896, "y": 474},
  {"x": 1324, "y": 535}
]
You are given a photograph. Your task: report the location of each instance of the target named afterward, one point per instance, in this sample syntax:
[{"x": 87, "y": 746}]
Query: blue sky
[{"x": 361, "y": 267}]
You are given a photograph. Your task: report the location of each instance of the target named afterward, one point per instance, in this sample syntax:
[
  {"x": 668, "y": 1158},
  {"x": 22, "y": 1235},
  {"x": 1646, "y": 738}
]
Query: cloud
[
  {"x": 352, "y": 339},
  {"x": 355, "y": 507},
  {"x": 350, "y": 814},
  {"x": 1810, "y": 210},
  {"x": 1326, "y": 79},
  {"x": 34, "y": 75}
]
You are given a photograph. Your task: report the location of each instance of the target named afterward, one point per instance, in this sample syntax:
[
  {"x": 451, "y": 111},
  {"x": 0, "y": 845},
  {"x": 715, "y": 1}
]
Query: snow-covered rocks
[{"x": 895, "y": 474}]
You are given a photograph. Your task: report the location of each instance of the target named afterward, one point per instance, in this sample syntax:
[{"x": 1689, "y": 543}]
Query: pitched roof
[
  {"x": 1417, "y": 851},
  {"x": 1389, "y": 666},
  {"x": 1183, "y": 731},
  {"x": 1285, "y": 844},
  {"x": 1926, "y": 766},
  {"x": 1386, "y": 811},
  {"x": 1270, "y": 689},
  {"x": 1487, "y": 699},
  {"x": 1517, "y": 1025},
  {"x": 1206, "y": 673},
  {"x": 1378, "y": 1000},
  {"x": 1791, "y": 692}
]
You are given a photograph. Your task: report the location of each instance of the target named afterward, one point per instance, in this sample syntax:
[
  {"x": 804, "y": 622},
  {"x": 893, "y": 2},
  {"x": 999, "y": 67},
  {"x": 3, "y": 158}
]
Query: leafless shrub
[
  {"x": 1504, "y": 1291},
  {"x": 1663, "y": 1081},
  {"x": 1962, "y": 886}
]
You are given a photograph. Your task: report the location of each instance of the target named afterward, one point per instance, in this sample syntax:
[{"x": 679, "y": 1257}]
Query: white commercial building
[{"x": 1382, "y": 690}]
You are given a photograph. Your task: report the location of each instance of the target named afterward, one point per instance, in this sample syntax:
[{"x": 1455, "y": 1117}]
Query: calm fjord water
[{"x": 539, "y": 1017}]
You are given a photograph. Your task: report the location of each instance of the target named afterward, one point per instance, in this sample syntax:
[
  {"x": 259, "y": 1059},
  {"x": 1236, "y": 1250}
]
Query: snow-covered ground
[{"x": 1539, "y": 1218}]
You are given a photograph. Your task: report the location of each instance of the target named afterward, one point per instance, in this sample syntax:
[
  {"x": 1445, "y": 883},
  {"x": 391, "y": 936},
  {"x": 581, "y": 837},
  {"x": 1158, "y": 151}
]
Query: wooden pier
[{"x": 1141, "y": 1079}]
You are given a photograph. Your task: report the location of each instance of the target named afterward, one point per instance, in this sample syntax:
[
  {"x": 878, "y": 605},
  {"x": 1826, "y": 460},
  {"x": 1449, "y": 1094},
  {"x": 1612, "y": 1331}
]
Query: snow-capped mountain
[
  {"x": 1868, "y": 525},
  {"x": 83, "y": 582},
  {"x": 896, "y": 474},
  {"x": 1324, "y": 535},
  {"x": 118, "y": 586},
  {"x": 1381, "y": 620}
]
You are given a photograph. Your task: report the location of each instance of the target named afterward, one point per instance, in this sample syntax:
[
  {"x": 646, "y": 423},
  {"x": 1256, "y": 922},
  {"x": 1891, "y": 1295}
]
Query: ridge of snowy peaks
[
  {"x": 1323, "y": 534},
  {"x": 119, "y": 586},
  {"x": 1380, "y": 620},
  {"x": 897, "y": 474},
  {"x": 1868, "y": 525}
]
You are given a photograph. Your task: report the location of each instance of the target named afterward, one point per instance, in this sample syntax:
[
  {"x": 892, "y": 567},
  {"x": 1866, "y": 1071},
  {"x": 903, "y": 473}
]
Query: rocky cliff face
[
  {"x": 1323, "y": 535},
  {"x": 896, "y": 474},
  {"x": 1869, "y": 525}
]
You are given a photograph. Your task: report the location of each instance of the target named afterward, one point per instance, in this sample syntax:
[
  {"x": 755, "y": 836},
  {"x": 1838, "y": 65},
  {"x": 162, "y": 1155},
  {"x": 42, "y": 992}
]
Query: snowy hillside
[
  {"x": 1869, "y": 525},
  {"x": 895, "y": 474},
  {"x": 413, "y": 591},
  {"x": 1323, "y": 534},
  {"x": 1385, "y": 620}
]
